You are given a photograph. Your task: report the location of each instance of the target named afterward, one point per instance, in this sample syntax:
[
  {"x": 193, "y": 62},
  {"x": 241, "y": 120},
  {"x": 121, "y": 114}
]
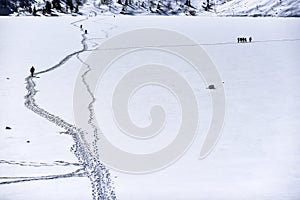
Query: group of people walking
[{"x": 243, "y": 39}]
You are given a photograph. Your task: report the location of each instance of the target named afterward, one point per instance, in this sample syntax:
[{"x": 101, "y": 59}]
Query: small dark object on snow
[
  {"x": 28, "y": 141},
  {"x": 250, "y": 39},
  {"x": 8, "y": 128},
  {"x": 7, "y": 78},
  {"x": 32, "y": 71},
  {"x": 211, "y": 87},
  {"x": 81, "y": 26},
  {"x": 85, "y": 31}
]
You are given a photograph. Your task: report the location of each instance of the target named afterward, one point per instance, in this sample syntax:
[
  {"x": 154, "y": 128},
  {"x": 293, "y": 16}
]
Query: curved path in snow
[{"x": 98, "y": 174}]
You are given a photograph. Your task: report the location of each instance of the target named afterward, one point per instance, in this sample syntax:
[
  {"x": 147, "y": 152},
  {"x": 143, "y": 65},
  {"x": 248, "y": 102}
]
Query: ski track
[
  {"x": 98, "y": 174},
  {"x": 91, "y": 122},
  {"x": 77, "y": 173},
  {"x": 90, "y": 107},
  {"x": 38, "y": 164}
]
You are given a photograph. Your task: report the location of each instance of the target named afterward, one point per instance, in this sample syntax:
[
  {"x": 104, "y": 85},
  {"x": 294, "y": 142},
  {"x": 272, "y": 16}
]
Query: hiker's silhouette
[{"x": 32, "y": 71}]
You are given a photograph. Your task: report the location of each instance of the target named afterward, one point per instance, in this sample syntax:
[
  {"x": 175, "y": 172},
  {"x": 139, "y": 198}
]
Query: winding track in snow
[
  {"x": 38, "y": 164},
  {"x": 77, "y": 173},
  {"x": 98, "y": 174},
  {"x": 96, "y": 130}
]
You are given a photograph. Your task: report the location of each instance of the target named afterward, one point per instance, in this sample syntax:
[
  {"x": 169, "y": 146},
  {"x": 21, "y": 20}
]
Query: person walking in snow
[{"x": 32, "y": 71}]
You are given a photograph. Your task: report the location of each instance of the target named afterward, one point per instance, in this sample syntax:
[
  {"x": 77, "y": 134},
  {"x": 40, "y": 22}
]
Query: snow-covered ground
[{"x": 257, "y": 156}]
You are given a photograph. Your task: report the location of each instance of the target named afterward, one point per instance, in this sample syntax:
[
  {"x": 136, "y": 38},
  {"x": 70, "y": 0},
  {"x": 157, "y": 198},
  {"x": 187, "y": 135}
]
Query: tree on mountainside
[
  {"x": 78, "y": 3},
  {"x": 188, "y": 3},
  {"x": 30, "y": 9},
  {"x": 70, "y": 5},
  {"x": 76, "y": 8},
  {"x": 169, "y": 5},
  {"x": 206, "y": 5},
  {"x": 158, "y": 5},
  {"x": 4, "y": 3},
  {"x": 34, "y": 11},
  {"x": 56, "y": 5},
  {"x": 48, "y": 7}
]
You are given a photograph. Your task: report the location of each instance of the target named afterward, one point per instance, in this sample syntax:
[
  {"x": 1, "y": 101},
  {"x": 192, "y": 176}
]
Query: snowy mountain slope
[{"x": 275, "y": 8}]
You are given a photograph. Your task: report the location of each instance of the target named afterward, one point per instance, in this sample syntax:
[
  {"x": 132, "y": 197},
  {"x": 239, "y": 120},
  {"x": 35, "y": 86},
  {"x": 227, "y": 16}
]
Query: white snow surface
[{"x": 257, "y": 156}]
